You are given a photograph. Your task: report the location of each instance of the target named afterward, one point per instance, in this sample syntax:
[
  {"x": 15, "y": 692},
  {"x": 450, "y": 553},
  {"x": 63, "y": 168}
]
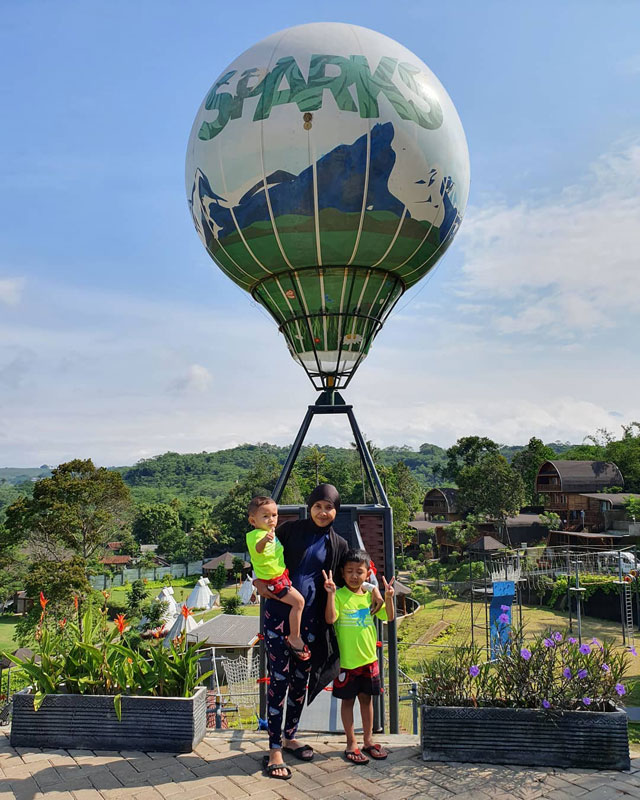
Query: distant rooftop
[{"x": 227, "y": 630}]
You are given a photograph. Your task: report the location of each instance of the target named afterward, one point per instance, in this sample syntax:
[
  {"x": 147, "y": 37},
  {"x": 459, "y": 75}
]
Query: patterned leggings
[{"x": 286, "y": 672}]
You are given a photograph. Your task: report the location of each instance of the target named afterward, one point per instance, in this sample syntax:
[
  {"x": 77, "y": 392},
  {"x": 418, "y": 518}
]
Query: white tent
[
  {"x": 172, "y": 609},
  {"x": 181, "y": 625},
  {"x": 201, "y": 596},
  {"x": 247, "y": 591}
]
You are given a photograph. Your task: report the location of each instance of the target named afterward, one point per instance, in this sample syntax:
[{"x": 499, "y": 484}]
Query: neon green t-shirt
[
  {"x": 270, "y": 562},
  {"x": 355, "y": 629}
]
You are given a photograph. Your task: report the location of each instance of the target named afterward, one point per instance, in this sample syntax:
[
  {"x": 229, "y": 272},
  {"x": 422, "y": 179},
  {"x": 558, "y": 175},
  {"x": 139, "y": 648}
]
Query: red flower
[
  {"x": 75, "y": 601},
  {"x": 62, "y": 622},
  {"x": 43, "y": 601},
  {"x": 121, "y": 623},
  {"x": 156, "y": 634},
  {"x": 186, "y": 612}
]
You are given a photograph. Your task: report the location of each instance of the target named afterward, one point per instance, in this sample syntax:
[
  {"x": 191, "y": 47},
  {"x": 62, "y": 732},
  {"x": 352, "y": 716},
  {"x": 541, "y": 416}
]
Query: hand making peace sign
[
  {"x": 329, "y": 584},
  {"x": 389, "y": 591}
]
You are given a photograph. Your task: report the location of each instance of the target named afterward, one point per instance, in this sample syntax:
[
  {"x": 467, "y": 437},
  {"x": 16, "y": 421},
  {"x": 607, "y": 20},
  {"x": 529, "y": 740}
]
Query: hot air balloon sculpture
[{"x": 327, "y": 172}]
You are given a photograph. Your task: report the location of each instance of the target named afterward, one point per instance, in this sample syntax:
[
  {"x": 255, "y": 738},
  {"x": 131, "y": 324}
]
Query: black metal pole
[
  {"x": 377, "y": 490},
  {"x": 334, "y": 404},
  {"x": 293, "y": 454}
]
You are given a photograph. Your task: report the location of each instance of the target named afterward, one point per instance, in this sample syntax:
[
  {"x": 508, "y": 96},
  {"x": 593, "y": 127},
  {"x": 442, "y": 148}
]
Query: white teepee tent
[
  {"x": 201, "y": 596},
  {"x": 247, "y": 591},
  {"x": 181, "y": 625},
  {"x": 173, "y": 609}
]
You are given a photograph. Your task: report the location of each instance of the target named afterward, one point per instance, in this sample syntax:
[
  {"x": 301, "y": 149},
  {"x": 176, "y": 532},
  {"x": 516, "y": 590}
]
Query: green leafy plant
[
  {"x": 94, "y": 658},
  {"x": 550, "y": 672}
]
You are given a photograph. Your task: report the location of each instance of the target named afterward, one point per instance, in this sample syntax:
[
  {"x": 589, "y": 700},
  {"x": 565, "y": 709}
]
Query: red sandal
[
  {"x": 376, "y": 752},
  {"x": 356, "y": 756},
  {"x": 301, "y": 653}
]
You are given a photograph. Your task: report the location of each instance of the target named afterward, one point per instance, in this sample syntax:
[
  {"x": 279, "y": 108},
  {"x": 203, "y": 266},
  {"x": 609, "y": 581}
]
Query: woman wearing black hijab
[{"x": 310, "y": 546}]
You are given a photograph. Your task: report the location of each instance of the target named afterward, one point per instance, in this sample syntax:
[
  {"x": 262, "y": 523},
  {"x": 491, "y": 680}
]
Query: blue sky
[{"x": 119, "y": 339}]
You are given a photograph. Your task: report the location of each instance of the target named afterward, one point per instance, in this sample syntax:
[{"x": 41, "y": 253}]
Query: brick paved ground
[{"x": 228, "y": 766}]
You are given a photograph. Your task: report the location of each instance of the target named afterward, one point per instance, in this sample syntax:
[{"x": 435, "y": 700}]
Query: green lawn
[
  {"x": 535, "y": 619},
  {"x": 7, "y": 630}
]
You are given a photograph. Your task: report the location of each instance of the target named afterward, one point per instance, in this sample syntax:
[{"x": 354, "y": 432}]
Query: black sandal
[
  {"x": 269, "y": 769},
  {"x": 298, "y": 752}
]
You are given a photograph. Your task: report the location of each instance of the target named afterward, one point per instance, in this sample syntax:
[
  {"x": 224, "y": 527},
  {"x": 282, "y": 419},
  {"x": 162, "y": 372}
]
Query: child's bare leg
[
  {"x": 366, "y": 712},
  {"x": 346, "y": 712},
  {"x": 294, "y": 599}
]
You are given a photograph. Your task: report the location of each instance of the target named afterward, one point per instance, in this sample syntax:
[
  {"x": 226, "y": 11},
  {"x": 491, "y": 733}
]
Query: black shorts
[{"x": 361, "y": 680}]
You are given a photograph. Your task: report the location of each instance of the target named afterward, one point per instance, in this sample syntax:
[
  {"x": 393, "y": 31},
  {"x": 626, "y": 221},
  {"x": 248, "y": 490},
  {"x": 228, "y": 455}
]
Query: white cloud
[
  {"x": 197, "y": 380},
  {"x": 568, "y": 264},
  {"x": 11, "y": 290}
]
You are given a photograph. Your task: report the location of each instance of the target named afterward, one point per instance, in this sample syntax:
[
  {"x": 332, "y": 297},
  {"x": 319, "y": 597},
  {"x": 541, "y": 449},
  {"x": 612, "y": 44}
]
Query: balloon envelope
[{"x": 327, "y": 172}]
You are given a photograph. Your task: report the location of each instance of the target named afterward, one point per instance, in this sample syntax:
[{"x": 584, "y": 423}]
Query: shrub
[
  {"x": 550, "y": 672},
  {"x": 231, "y": 605}
]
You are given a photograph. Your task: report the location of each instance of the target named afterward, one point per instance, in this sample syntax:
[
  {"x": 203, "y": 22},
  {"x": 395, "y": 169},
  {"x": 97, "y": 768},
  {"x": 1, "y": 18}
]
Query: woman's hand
[
  {"x": 389, "y": 591},
  {"x": 376, "y": 600},
  {"x": 329, "y": 585},
  {"x": 261, "y": 588}
]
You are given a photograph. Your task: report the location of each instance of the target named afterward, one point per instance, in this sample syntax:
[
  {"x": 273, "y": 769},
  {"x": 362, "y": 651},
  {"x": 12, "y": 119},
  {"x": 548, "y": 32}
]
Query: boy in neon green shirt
[
  {"x": 348, "y": 611},
  {"x": 267, "y": 559}
]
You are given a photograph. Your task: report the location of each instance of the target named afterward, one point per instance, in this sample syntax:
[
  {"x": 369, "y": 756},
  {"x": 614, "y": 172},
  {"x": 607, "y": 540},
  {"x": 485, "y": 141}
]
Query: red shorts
[
  {"x": 280, "y": 585},
  {"x": 361, "y": 680}
]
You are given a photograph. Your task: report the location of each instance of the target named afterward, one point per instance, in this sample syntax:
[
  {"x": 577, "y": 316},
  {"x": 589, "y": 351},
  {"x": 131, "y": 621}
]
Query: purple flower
[
  {"x": 620, "y": 689},
  {"x": 582, "y": 673},
  {"x": 474, "y": 671},
  {"x": 504, "y": 608},
  {"x": 504, "y": 619},
  {"x": 585, "y": 649},
  {"x": 546, "y": 704},
  {"x": 633, "y": 651},
  {"x": 572, "y": 640},
  {"x": 595, "y": 641},
  {"x": 548, "y": 642},
  {"x": 586, "y": 701},
  {"x": 567, "y": 673},
  {"x": 606, "y": 668},
  {"x": 526, "y": 654},
  {"x": 557, "y": 636}
]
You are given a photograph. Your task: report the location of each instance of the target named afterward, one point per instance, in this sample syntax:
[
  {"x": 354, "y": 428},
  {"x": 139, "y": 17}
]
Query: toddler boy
[{"x": 267, "y": 559}]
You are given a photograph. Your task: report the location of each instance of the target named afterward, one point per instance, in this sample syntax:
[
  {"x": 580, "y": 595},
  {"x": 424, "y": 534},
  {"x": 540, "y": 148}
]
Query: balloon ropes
[{"x": 327, "y": 172}]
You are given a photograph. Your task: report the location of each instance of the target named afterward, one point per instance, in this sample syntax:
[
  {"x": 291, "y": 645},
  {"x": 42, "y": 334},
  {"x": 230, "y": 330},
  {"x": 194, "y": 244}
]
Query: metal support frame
[{"x": 330, "y": 402}]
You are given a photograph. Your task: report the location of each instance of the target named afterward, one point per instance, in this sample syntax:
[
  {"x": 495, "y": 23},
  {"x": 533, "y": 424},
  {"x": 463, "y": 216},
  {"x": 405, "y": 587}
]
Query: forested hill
[{"x": 213, "y": 474}]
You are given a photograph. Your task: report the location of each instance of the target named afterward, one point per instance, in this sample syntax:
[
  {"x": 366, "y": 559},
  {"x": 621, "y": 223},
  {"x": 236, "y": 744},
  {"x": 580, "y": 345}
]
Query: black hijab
[{"x": 325, "y": 491}]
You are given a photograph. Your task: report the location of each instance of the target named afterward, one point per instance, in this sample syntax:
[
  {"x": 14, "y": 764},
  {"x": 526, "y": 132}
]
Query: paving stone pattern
[{"x": 228, "y": 765}]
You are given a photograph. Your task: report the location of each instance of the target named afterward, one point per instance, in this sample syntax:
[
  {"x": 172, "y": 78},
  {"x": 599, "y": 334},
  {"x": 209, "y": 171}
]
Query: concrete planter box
[
  {"x": 595, "y": 739},
  {"x": 170, "y": 724}
]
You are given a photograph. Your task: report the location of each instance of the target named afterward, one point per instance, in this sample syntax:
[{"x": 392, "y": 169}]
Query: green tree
[
  {"x": 219, "y": 577},
  {"x": 137, "y": 595},
  {"x": 468, "y": 452},
  {"x": 59, "y": 582},
  {"x": 492, "y": 488},
  {"x": 76, "y": 511},
  {"x": 463, "y": 532},
  {"x": 527, "y": 463},
  {"x": 13, "y": 566},
  {"x": 407, "y": 487},
  {"x": 311, "y": 468},
  {"x": 632, "y": 507},
  {"x": 128, "y": 545},
  {"x": 153, "y": 521},
  {"x": 237, "y": 566},
  {"x": 402, "y": 533}
]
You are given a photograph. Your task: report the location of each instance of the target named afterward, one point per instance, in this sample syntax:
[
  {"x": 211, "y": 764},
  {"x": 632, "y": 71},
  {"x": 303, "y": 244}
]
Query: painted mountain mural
[{"x": 388, "y": 235}]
